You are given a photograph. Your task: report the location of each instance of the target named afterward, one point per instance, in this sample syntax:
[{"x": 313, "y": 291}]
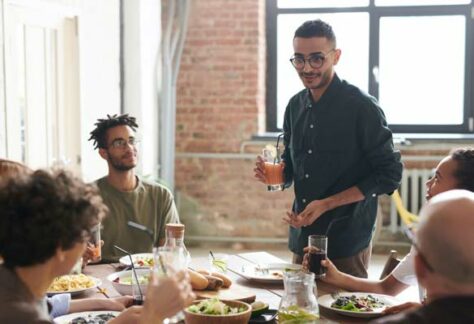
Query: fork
[
  {"x": 262, "y": 268},
  {"x": 335, "y": 294}
]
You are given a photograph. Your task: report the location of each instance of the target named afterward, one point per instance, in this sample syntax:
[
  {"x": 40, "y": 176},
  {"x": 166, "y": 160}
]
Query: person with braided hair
[{"x": 128, "y": 197}]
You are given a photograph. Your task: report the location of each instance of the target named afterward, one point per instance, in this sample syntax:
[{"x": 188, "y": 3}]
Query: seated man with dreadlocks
[{"x": 128, "y": 197}]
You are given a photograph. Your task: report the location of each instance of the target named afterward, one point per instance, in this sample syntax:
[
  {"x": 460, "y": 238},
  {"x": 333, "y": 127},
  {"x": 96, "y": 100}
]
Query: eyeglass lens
[
  {"x": 123, "y": 143},
  {"x": 315, "y": 61}
]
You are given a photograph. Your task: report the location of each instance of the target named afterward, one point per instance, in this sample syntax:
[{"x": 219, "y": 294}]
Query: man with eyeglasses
[
  {"x": 444, "y": 261},
  {"x": 338, "y": 152},
  {"x": 128, "y": 197}
]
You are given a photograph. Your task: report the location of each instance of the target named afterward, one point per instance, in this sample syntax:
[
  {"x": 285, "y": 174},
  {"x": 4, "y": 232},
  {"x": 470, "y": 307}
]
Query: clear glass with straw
[
  {"x": 274, "y": 177},
  {"x": 167, "y": 262}
]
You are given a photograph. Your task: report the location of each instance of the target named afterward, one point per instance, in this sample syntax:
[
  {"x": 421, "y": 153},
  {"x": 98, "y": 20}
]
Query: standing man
[
  {"x": 338, "y": 152},
  {"x": 128, "y": 197}
]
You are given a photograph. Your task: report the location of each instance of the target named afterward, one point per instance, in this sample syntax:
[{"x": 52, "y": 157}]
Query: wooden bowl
[{"x": 239, "y": 318}]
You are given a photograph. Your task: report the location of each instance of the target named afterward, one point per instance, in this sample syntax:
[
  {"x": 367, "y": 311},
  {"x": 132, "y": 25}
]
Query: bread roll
[
  {"x": 227, "y": 281},
  {"x": 214, "y": 283},
  {"x": 204, "y": 272},
  {"x": 198, "y": 281}
]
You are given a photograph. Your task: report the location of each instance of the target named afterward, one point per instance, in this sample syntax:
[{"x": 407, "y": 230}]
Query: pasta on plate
[{"x": 71, "y": 282}]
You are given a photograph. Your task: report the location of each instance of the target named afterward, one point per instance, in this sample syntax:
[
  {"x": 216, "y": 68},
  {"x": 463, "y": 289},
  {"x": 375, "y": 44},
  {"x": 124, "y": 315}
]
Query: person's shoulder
[
  {"x": 101, "y": 182},
  {"x": 299, "y": 97},
  {"x": 19, "y": 312},
  {"x": 357, "y": 95},
  {"x": 156, "y": 188}
]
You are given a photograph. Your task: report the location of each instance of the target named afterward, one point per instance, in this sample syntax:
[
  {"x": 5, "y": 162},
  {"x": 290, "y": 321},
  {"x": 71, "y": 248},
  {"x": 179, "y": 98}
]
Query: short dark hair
[
  {"x": 99, "y": 134},
  {"x": 316, "y": 28},
  {"x": 44, "y": 211},
  {"x": 464, "y": 173}
]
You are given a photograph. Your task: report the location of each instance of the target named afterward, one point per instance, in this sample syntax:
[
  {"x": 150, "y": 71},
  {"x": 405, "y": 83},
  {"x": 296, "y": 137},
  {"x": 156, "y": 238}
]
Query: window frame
[{"x": 375, "y": 14}]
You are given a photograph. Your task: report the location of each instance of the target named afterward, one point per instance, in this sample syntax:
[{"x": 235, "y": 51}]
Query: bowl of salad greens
[{"x": 214, "y": 311}]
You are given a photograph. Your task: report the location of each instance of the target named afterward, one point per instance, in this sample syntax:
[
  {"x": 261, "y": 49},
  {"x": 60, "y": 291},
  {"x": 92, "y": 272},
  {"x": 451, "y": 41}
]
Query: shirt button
[
  {"x": 311, "y": 126},
  {"x": 306, "y": 176},
  {"x": 310, "y": 151},
  {"x": 309, "y": 106},
  {"x": 374, "y": 195},
  {"x": 303, "y": 200}
]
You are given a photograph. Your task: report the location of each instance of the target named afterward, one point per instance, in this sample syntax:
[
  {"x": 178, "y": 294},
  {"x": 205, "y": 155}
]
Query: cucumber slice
[{"x": 258, "y": 308}]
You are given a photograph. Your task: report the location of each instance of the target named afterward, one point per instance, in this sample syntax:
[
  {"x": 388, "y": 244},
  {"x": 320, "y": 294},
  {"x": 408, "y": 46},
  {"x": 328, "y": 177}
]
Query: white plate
[
  {"x": 326, "y": 301},
  {"x": 66, "y": 319},
  {"x": 273, "y": 275},
  {"x": 97, "y": 283},
  {"x": 125, "y": 260}
]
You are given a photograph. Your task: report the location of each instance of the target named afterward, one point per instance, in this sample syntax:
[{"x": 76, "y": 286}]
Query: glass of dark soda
[{"x": 318, "y": 245}]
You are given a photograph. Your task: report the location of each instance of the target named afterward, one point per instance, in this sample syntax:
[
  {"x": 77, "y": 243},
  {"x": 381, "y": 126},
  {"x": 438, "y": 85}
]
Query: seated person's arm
[
  {"x": 90, "y": 304},
  {"x": 388, "y": 286}
]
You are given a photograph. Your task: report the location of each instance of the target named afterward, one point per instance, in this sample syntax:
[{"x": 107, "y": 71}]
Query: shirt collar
[{"x": 330, "y": 92}]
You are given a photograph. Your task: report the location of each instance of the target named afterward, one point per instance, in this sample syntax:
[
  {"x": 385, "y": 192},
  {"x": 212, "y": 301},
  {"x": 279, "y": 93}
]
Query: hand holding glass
[
  {"x": 273, "y": 171},
  {"x": 318, "y": 245},
  {"x": 96, "y": 244}
]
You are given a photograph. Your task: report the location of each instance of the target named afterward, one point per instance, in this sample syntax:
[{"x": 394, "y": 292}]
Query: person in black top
[
  {"x": 444, "y": 261},
  {"x": 338, "y": 152}
]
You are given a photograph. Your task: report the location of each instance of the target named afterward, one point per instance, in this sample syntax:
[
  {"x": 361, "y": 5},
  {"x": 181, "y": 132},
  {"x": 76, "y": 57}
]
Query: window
[
  {"x": 41, "y": 87},
  {"x": 414, "y": 56}
]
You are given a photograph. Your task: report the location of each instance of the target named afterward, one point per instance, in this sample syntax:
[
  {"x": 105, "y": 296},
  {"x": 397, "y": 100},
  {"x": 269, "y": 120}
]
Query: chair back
[
  {"x": 408, "y": 218},
  {"x": 390, "y": 264}
]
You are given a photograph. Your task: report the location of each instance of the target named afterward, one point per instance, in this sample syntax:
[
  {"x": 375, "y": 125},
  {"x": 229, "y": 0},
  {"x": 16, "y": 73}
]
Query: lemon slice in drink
[
  {"x": 271, "y": 149},
  {"x": 220, "y": 264}
]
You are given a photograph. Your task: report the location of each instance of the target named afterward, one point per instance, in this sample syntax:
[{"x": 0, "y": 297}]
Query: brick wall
[
  {"x": 220, "y": 94},
  {"x": 220, "y": 105}
]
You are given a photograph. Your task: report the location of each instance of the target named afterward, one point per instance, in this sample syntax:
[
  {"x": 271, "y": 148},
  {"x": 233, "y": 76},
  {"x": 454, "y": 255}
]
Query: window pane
[
  {"x": 383, "y": 3},
  {"x": 321, "y": 3},
  {"x": 354, "y": 43},
  {"x": 421, "y": 71}
]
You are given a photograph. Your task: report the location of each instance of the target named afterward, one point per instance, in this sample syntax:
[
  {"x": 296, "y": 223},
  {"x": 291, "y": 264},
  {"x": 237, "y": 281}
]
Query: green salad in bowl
[{"x": 209, "y": 311}]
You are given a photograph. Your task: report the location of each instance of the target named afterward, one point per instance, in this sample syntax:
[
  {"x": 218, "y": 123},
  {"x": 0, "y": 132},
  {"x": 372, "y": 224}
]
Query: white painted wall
[
  {"x": 142, "y": 29},
  {"x": 99, "y": 52}
]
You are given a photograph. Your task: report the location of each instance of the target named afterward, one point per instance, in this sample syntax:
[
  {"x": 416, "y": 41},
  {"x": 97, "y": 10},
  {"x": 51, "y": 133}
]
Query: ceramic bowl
[{"x": 125, "y": 288}]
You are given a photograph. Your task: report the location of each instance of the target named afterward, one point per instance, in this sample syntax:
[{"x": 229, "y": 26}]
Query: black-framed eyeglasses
[
  {"x": 123, "y": 143},
  {"x": 315, "y": 60}
]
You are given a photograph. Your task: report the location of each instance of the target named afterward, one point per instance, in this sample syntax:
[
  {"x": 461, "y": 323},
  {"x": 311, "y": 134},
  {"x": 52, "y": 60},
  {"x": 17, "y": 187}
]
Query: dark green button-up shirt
[{"x": 331, "y": 145}]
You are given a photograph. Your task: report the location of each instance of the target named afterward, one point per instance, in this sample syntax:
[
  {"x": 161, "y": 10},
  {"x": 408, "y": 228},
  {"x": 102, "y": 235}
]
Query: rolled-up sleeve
[
  {"x": 59, "y": 304},
  {"x": 377, "y": 144}
]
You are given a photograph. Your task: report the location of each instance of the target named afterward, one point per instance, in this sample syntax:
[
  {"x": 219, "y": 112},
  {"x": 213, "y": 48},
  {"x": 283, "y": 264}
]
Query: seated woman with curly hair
[{"x": 45, "y": 223}]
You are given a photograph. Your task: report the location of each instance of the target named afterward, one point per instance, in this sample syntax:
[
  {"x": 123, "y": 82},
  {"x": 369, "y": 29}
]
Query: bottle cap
[{"x": 175, "y": 228}]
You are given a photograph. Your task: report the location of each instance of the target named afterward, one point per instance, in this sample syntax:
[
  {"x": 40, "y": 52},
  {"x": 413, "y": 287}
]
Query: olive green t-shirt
[{"x": 149, "y": 204}]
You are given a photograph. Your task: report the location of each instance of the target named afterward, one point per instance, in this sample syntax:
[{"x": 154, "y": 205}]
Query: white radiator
[{"x": 413, "y": 191}]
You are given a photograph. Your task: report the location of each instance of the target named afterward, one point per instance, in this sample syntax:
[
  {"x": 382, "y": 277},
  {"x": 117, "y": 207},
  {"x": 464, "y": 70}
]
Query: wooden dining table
[{"x": 270, "y": 293}]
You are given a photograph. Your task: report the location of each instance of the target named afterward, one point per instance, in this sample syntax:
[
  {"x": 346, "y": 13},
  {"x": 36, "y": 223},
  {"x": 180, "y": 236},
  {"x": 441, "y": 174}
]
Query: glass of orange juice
[
  {"x": 273, "y": 170},
  {"x": 95, "y": 241}
]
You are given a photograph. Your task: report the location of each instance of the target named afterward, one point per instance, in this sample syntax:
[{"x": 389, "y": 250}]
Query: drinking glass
[
  {"x": 273, "y": 166},
  {"x": 273, "y": 171},
  {"x": 218, "y": 262},
  {"x": 318, "y": 245},
  {"x": 167, "y": 261},
  {"x": 137, "y": 292},
  {"x": 95, "y": 241}
]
